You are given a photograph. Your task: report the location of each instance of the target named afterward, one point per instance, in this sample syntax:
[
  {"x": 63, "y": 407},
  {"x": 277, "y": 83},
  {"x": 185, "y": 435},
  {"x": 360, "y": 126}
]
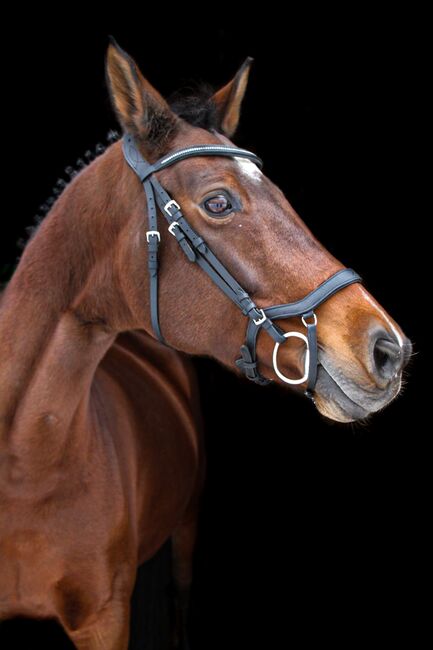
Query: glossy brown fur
[{"x": 101, "y": 453}]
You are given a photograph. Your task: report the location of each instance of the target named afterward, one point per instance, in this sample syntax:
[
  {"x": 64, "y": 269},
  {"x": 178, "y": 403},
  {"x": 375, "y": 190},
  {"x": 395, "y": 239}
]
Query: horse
[{"x": 102, "y": 454}]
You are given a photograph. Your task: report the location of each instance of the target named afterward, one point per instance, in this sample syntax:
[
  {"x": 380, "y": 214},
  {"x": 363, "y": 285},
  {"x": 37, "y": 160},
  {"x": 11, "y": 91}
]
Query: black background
[{"x": 308, "y": 528}]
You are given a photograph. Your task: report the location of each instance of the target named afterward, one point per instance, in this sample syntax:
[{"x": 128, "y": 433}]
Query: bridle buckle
[
  {"x": 263, "y": 317},
  {"x": 170, "y": 204},
  {"x": 171, "y": 226},
  {"x": 153, "y": 233}
]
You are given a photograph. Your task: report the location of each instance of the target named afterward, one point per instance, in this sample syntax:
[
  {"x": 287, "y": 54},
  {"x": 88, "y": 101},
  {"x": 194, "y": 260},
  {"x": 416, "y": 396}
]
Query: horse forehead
[{"x": 249, "y": 169}]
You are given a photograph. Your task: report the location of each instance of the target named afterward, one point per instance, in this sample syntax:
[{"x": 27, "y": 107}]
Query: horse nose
[{"x": 389, "y": 355}]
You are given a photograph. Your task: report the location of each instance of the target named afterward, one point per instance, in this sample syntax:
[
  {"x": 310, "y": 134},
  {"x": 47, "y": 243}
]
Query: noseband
[{"x": 198, "y": 252}]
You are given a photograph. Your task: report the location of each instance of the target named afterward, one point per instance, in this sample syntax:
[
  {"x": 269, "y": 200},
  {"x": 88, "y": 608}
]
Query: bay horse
[{"x": 102, "y": 455}]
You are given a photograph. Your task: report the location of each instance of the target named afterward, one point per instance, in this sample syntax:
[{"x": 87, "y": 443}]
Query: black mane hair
[
  {"x": 195, "y": 105},
  {"x": 8, "y": 269}
]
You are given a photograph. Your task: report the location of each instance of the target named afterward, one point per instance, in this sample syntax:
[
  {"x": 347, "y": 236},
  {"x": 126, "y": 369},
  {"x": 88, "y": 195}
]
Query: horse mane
[
  {"x": 61, "y": 184},
  {"x": 194, "y": 104}
]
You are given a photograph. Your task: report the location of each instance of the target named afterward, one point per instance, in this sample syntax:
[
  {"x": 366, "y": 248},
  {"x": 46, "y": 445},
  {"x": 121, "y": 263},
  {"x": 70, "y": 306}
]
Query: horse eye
[{"x": 219, "y": 205}]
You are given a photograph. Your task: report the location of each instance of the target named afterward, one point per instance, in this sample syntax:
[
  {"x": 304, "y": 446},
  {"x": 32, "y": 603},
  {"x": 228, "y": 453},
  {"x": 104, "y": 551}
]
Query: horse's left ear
[{"x": 228, "y": 100}]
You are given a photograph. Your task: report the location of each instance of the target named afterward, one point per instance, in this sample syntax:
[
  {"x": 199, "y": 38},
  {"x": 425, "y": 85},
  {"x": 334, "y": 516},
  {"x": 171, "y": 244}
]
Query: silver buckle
[
  {"x": 171, "y": 226},
  {"x": 168, "y": 205},
  {"x": 260, "y": 320},
  {"x": 153, "y": 232}
]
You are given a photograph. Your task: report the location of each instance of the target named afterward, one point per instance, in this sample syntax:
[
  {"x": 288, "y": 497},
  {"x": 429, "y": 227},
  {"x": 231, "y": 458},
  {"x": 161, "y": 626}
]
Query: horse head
[{"x": 258, "y": 238}]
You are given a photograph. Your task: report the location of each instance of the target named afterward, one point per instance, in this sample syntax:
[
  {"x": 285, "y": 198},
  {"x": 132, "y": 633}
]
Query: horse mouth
[
  {"x": 341, "y": 398},
  {"x": 333, "y": 402}
]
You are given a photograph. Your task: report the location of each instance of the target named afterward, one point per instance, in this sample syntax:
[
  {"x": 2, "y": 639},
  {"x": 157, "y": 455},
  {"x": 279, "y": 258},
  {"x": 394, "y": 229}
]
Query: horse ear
[
  {"x": 139, "y": 107},
  {"x": 228, "y": 100}
]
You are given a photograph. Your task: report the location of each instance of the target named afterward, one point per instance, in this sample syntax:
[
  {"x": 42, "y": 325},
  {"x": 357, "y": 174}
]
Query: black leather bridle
[{"x": 198, "y": 252}]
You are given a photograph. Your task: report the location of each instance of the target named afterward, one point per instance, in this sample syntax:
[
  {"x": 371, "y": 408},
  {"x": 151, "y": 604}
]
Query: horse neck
[{"x": 60, "y": 313}]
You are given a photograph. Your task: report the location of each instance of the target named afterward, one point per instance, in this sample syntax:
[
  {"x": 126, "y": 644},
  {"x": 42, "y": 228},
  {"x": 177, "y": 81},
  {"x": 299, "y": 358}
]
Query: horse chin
[{"x": 333, "y": 402}]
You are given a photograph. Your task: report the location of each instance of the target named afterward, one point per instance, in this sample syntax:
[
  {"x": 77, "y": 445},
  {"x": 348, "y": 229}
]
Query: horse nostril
[{"x": 388, "y": 357}]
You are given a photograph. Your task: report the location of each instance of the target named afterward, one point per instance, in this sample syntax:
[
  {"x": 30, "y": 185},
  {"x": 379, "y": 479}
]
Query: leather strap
[
  {"x": 312, "y": 346},
  {"x": 153, "y": 237},
  {"x": 190, "y": 242},
  {"x": 206, "y": 259},
  {"x": 206, "y": 150},
  {"x": 143, "y": 169},
  {"x": 302, "y": 307}
]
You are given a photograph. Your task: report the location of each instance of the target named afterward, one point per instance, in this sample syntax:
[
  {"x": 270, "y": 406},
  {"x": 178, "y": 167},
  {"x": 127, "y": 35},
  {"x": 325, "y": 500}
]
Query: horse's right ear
[{"x": 139, "y": 107}]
